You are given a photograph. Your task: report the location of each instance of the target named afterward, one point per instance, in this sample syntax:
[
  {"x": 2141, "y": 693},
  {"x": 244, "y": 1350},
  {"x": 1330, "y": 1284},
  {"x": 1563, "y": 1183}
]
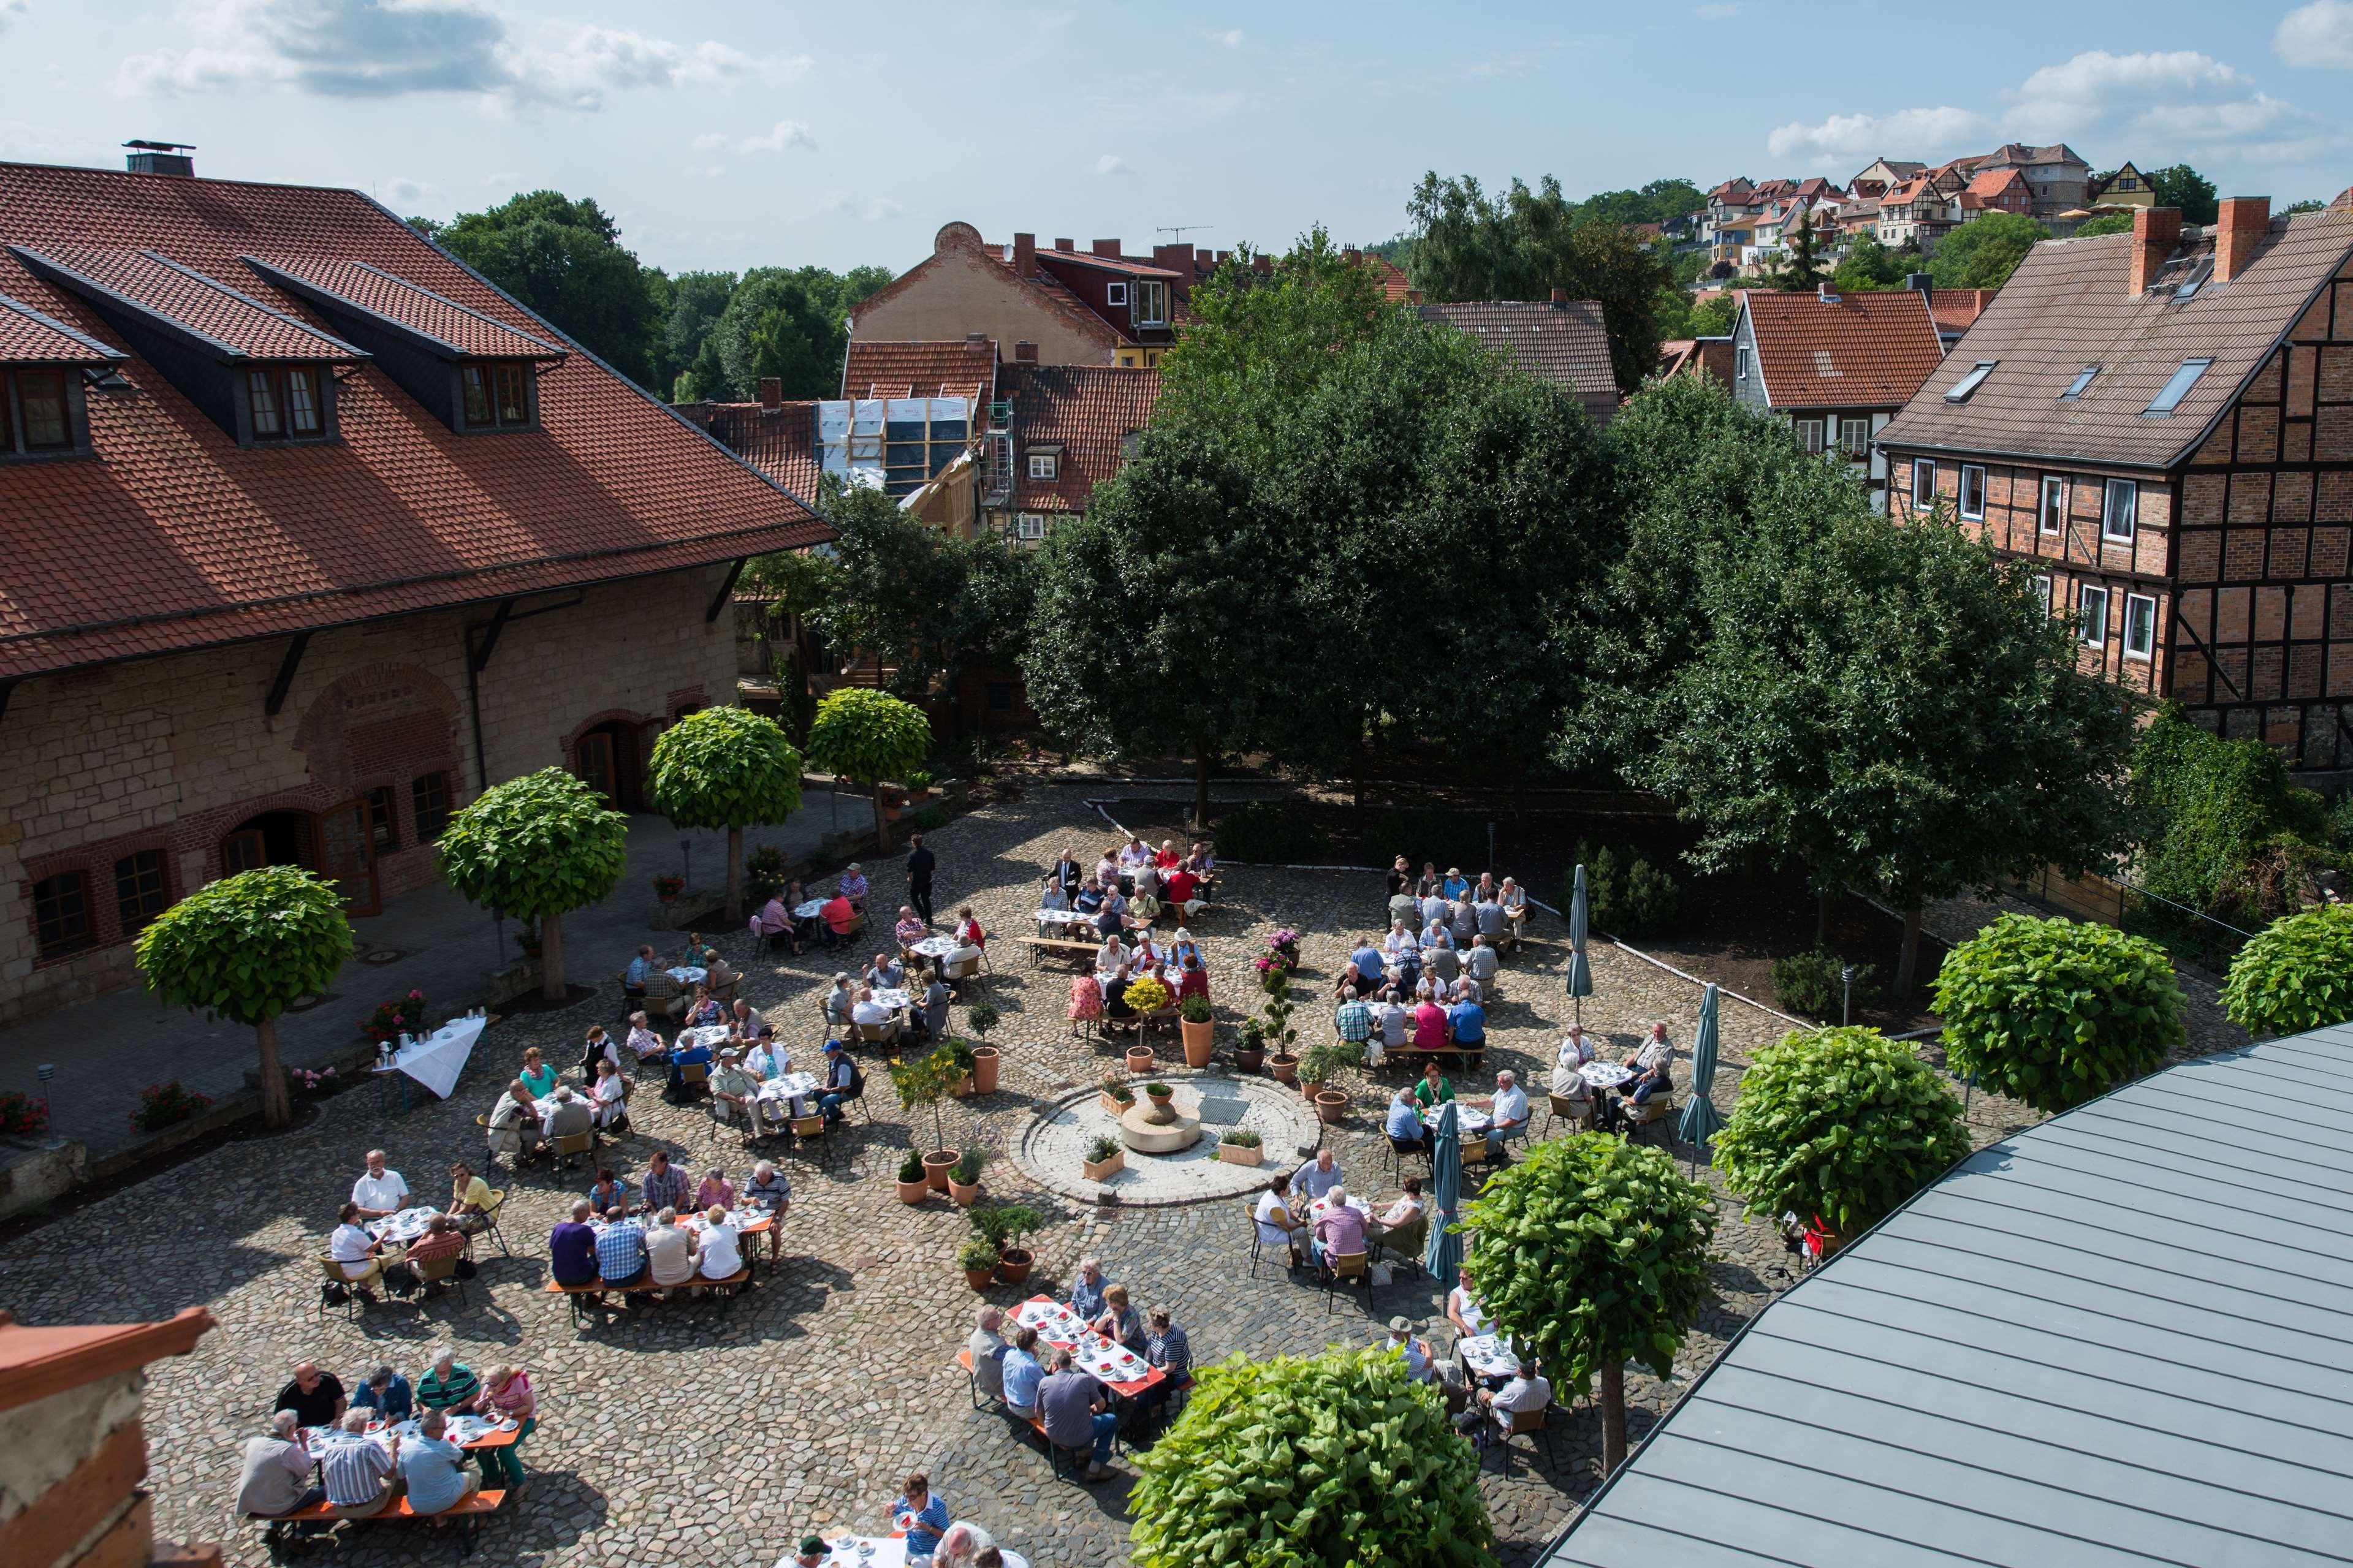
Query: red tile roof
[
  {"x": 155, "y": 283},
  {"x": 1956, "y": 309},
  {"x": 1989, "y": 184},
  {"x": 454, "y": 326},
  {"x": 1856, "y": 350},
  {"x": 1395, "y": 287},
  {"x": 1565, "y": 344},
  {"x": 953, "y": 367},
  {"x": 28, "y": 336},
  {"x": 781, "y": 442},
  {"x": 173, "y": 537},
  {"x": 1089, "y": 410}
]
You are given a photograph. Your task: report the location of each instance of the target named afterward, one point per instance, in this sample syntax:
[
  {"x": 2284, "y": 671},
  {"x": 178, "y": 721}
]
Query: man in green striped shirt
[{"x": 451, "y": 1385}]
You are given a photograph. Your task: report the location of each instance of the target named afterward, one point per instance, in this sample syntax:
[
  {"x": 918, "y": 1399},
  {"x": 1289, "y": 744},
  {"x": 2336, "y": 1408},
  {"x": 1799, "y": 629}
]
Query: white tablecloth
[
  {"x": 708, "y": 1034},
  {"x": 934, "y": 946},
  {"x": 1604, "y": 1075},
  {"x": 689, "y": 976},
  {"x": 1317, "y": 1208},
  {"x": 436, "y": 1060},
  {"x": 404, "y": 1228},
  {"x": 1487, "y": 1356},
  {"x": 1064, "y": 918},
  {"x": 894, "y": 1000},
  {"x": 807, "y": 911}
]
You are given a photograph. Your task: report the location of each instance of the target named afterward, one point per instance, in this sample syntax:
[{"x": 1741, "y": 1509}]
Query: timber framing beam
[
  {"x": 719, "y": 600},
  {"x": 287, "y": 666}
]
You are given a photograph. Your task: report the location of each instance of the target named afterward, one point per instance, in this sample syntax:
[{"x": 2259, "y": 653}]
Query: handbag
[{"x": 466, "y": 1268}]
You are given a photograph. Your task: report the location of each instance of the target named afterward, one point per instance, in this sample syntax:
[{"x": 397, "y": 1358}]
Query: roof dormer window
[
  {"x": 499, "y": 396},
  {"x": 283, "y": 404},
  {"x": 1971, "y": 381},
  {"x": 37, "y": 416}
]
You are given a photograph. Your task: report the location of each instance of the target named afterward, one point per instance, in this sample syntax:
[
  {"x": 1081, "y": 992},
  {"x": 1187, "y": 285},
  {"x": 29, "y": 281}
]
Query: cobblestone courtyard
[{"x": 680, "y": 1434}]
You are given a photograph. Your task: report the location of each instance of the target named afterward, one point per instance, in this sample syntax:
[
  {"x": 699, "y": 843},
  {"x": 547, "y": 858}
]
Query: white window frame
[
  {"x": 1045, "y": 466},
  {"x": 1809, "y": 436},
  {"x": 1978, "y": 469},
  {"x": 1116, "y": 294},
  {"x": 2043, "y": 582},
  {"x": 2049, "y": 512},
  {"x": 2144, "y": 605},
  {"x": 1151, "y": 302},
  {"x": 2093, "y": 631},
  {"x": 2109, "y": 512},
  {"x": 1029, "y": 525},
  {"x": 1740, "y": 363},
  {"x": 1854, "y": 436},
  {"x": 1963, "y": 389},
  {"x": 1919, "y": 463}
]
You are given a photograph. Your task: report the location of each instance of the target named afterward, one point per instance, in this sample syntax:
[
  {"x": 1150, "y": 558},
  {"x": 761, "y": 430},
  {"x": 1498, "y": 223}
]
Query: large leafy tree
[
  {"x": 1839, "y": 1124},
  {"x": 791, "y": 324},
  {"x": 2106, "y": 222},
  {"x": 1336, "y": 1461},
  {"x": 725, "y": 767},
  {"x": 1593, "y": 1252},
  {"x": 1982, "y": 254},
  {"x": 534, "y": 848},
  {"x": 1891, "y": 705},
  {"x": 1523, "y": 243},
  {"x": 2054, "y": 1012},
  {"x": 2295, "y": 974},
  {"x": 795, "y": 584},
  {"x": 868, "y": 736},
  {"x": 1868, "y": 265},
  {"x": 565, "y": 259},
  {"x": 2180, "y": 186},
  {"x": 246, "y": 948},
  {"x": 696, "y": 300},
  {"x": 2216, "y": 812},
  {"x": 1801, "y": 268}
]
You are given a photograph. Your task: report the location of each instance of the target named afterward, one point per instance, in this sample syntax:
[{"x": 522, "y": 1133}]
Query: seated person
[
  {"x": 568, "y": 1115},
  {"x": 1144, "y": 909},
  {"x": 1492, "y": 922},
  {"x": 1468, "y": 990},
  {"x": 704, "y": 1010},
  {"x": 1568, "y": 1083},
  {"x": 514, "y": 1123},
  {"x": 1023, "y": 1373},
  {"x": 719, "y": 976},
  {"x": 767, "y": 1059},
  {"x": 1166, "y": 857},
  {"x": 1114, "y": 990},
  {"x": 1277, "y": 1226},
  {"x": 1468, "y": 1022},
  {"x": 537, "y": 1077},
  {"x": 839, "y": 1082},
  {"x": 775, "y": 921},
  {"x": 435, "y": 1471},
  {"x": 352, "y": 1247},
  {"x": 1313, "y": 1179},
  {"x": 1462, "y": 1308},
  {"x": 1145, "y": 954},
  {"x": 1119, "y": 1320},
  {"x": 1194, "y": 980},
  {"x": 1436, "y": 913},
  {"x": 768, "y": 1188},
  {"x": 1404, "y": 1129},
  {"x": 611, "y": 1094},
  {"x": 719, "y": 1254},
  {"x": 470, "y": 1206},
  {"x": 449, "y": 1383},
  {"x": 868, "y": 1014},
  {"x": 620, "y": 1248},
  {"x": 806, "y": 928},
  {"x": 842, "y": 1002},
  {"x": 384, "y": 1396},
  {"x": 1651, "y": 1067},
  {"x": 963, "y": 962},
  {"x": 986, "y": 1347},
  {"x": 1370, "y": 964},
  {"x": 640, "y": 974},
  {"x": 1482, "y": 962},
  {"x": 276, "y": 1478},
  {"x": 1464, "y": 922},
  {"x": 1456, "y": 884},
  {"x": 715, "y": 1190},
  {"x": 1429, "y": 1026},
  {"x": 572, "y": 1248},
  {"x": 644, "y": 1045},
  {"x": 852, "y": 884},
  {"x": 967, "y": 928},
  {"x": 606, "y": 1193},
  {"x": 669, "y": 1251},
  {"x": 664, "y": 1185},
  {"x": 1526, "y": 1390},
  {"x": 1111, "y": 956},
  {"x": 1434, "y": 1090},
  {"x": 909, "y": 929},
  {"x": 696, "y": 1054},
  {"x": 885, "y": 974},
  {"x": 1051, "y": 897},
  {"x": 1203, "y": 859},
  {"x": 1440, "y": 958},
  {"x": 1352, "y": 1021},
  {"x": 1408, "y": 1207},
  {"x": 442, "y": 1239},
  {"x": 734, "y": 1093},
  {"x": 1090, "y": 901},
  {"x": 1393, "y": 1019},
  {"x": 1411, "y": 1348},
  {"x": 1181, "y": 890},
  {"x": 841, "y": 920},
  {"x": 1513, "y": 899},
  {"x": 936, "y": 997},
  {"x": 699, "y": 953},
  {"x": 1339, "y": 1232},
  {"x": 1089, "y": 1291},
  {"x": 1509, "y": 1109},
  {"x": 379, "y": 1192},
  {"x": 315, "y": 1398}
]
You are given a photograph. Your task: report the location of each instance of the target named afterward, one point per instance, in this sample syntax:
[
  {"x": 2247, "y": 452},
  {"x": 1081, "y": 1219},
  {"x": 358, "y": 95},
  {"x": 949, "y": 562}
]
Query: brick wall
[{"x": 171, "y": 755}]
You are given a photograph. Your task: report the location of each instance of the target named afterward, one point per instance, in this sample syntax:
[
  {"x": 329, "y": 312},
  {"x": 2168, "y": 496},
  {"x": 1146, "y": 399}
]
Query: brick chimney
[
  {"x": 2239, "y": 228},
  {"x": 1026, "y": 352},
  {"x": 1353, "y": 256},
  {"x": 976, "y": 337},
  {"x": 1109, "y": 248},
  {"x": 771, "y": 394},
  {"x": 1261, "y": 263},
  {"x": 1560, "y": 298},
  {"x": 2156, "y": 232},
  {"x": 1025, "y": 256}
]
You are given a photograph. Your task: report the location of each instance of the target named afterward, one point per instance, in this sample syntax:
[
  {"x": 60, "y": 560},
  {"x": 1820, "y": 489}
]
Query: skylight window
[
  {"x": 2176, "y": 387},
  {"x": 2197, "y": 279},
  {"x": 1971, "y": 381},
  {"x": 2083, "y": 379}
]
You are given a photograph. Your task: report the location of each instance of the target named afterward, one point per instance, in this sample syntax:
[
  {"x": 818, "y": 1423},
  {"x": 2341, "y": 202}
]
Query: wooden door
[
  {"x": 347, "y": 856},
  {"x": 243, "y": 851},
  {"x": 597, "y": 763}
]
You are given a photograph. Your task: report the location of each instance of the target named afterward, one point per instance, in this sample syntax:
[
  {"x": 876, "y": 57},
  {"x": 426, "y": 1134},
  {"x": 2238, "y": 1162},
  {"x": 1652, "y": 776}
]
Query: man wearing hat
[
  {"x": 812, "y": 1554},
  {"x": 734, "y": 1089},
  {"x": 841, "y": 1080},
  {"x": 1402, "y": 1342}
]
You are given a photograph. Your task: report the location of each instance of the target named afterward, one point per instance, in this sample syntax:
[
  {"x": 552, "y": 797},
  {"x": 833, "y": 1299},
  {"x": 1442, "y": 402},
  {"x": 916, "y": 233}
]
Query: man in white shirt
[
  {"x": 1414, "y": 1351},
  {"x": 1526, "y": 1390},
  {"x": 1510, "y": 1109},
  {"x": 867, "y": 1011},
  {"x": 720, "y": 1255},
  {"x": 379, "y": 1191},
  {"x": 352, "y": 1246}
]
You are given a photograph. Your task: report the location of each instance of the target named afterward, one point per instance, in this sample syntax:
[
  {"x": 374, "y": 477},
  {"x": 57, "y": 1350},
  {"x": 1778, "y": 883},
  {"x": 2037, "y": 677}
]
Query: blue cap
[{"x": 833, "y": 1044}]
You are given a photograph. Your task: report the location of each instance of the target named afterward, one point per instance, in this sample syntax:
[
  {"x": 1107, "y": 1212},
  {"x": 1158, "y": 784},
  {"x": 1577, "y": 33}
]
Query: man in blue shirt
[
  {"x": 1023, "y": 1373},
  {"x": 621, "y": 1249},
  {"x": 1087, "y": 1290},
  {"x": 1370, "y": 966},
  {"x": 1405, "y": 1125},
  {"x": 434, "y": 1469},
  {"x": 387, "y": 1393},
  {"x": 1353, "y": 1021},
  {"x": 1470, "y": 1022},
  {"x": 694, "y": 1054},
  {"x": 641, "y": 970},
  {"x": 1455, "y": 885}
]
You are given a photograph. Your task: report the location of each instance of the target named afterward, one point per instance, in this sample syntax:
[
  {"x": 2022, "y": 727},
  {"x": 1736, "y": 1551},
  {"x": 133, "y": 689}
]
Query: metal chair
[
  {"x": 962, "y": 970},
  {"x": 1339, "y": 1266},
  {"x": 1578, "y": 1113},
  {"x": 1658, "y": 1111},
  {"x": 354, "y": 1304},
  {"x": 878, "y": 1034},
  {"x": 563, "y": 1150},
  {"x": 432, "y": 1271},
  {"x": 1503, "y": 1426},
  {"x": 723, "y": 1109},
  {"x": 490, "y": 1221}
]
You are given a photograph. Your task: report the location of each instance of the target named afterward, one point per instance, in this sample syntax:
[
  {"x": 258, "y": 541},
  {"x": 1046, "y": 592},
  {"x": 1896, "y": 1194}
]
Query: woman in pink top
[
  {"x": 506, "y": 1393},
  {"x": 1429, "y": 1026}
]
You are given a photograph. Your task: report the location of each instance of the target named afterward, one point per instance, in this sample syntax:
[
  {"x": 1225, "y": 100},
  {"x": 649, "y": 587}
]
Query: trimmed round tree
[
  {"x": 725, "y": 767},
  {"x": 1841, "y": 1125},
  {"x": 1592, "y": 1252},
  {"x": 2054, "y": 1012},
  {"x": 245, "y": 948},
  {"x": 1310, "y": 1462},
  {"x": 534, "y": 848},
  {"x": 2295, "y": 974},
  {"x": 867, "y": 736}
]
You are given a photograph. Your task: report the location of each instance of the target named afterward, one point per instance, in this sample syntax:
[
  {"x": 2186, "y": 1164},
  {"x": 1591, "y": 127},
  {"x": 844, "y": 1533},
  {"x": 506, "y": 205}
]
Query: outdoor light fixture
[
  {"x": 686, "y": 857},
  {"x": 46, "y": 1071},
  {"x": 1846, "y": 991}
]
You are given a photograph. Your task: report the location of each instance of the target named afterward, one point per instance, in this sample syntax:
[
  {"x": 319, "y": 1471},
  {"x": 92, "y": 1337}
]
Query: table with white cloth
[
  {"x": 462, "y": 1431},
  {"x": 400, "y": 1229},
  {"x": 935, "y": 947},
  {"x": 1113, "y": 1364},
  {"x": 895, "y": 1000},
  {"x": 1604, "y": 1075},
  {"x": 790, "y": 1089},
  {"x": 711, "y": 1035},
  {"x": 1487, "y": 1356},
  {"x": 809, "y": 910},
  {"x": 881, "y": 1552},
  {"x": 1065, "y": 918},
  {"x": 1318, "y": 1207},
  {"x": 686, "y": 975},
  {"x": 434, "y": 1060}
]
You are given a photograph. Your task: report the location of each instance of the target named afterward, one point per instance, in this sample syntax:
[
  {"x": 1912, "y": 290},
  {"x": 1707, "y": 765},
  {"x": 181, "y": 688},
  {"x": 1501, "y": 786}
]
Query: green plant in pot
[
  {"x": 1105, "y": 1156},
  {"x": 926, "y": 1081},
  {"x": 980, "y": 1262},
  {"x": 912, "y": 1184},
  {"x": 1003, "y": 1226},
  {"x": 1250, "y": 1049},
  {"x": 1238, "y": 1146},
  {"x": 980, "y": 1018},
  {"x": 964, "y": 1177},
  {"x": 1323, "y": 1063}
]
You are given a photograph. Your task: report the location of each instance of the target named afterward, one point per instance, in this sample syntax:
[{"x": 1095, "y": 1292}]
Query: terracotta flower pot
[
  {"x": 1102, "y": 1171},
  {"x": 914, "y": 1192},
  {"x": 1286, "y": 1068},
  {"x": 984, "y": 1069},
  {"x": 1158, "y": 1099},
  {"x": 1114, "y": 1105},
  {"x": 962, "y": 1089},
  {"x": 1240, "y": 1153},
  {"x": 1309, "y": 1087},
  {"x": 963, "y": 1195},
  {"x": 1014, "y": 1265},
  {"x": 1332, "y": 1105},
  {"x": 1199, "y": 1041},
  {"x": 1248, "y": 1061},
  {"x": 1139, "y": 1060},
  {"x": 937, "y": 1166},
  {"x": 978, "y": 1278}
]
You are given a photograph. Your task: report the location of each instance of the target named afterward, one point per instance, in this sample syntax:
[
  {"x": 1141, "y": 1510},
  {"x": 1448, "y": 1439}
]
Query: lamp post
[
  {"x": 46, "y": 1071},
  {"x": 1846, "y": 991},
  {"x": 686, "y": 859}
]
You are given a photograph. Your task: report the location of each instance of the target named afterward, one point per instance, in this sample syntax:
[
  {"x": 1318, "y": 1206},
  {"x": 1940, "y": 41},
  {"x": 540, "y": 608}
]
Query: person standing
[{"x": 920, "y": 865}]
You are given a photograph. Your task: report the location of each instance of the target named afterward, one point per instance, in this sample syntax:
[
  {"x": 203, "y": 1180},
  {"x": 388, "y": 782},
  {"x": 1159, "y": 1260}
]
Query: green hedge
[
  {"x": 2214, "y": 810},
  {"x": 2053, "y": 1012},
  {"x": 1809, "y": 982},
  {"x": 2295, "y": 974},
  {"x": 1632, "y": 896}
]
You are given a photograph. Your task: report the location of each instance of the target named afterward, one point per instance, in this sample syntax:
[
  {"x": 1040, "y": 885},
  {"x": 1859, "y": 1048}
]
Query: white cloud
[
  {"x": 1111, "y": 164},
  {"x": 2179, "y": 100},
  {"x": 2320, "y": 33},
  {"x": 1232, "y": 40},
  {"x": 12, "y": 9},
  {"x": 24, "y": 141},
  {"x": 873, "y": 209},
  {"x": 383, "y": 48},
  {"x": 1905, "y": 133},
  {"x": 406, "y": 192}
]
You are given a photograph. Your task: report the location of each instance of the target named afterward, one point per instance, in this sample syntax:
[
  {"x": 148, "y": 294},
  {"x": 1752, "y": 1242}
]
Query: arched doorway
[
  {"x": 272, "y": 839},
  {"x": 608, "y": 764},
  {"x": 336, "y": 843}
]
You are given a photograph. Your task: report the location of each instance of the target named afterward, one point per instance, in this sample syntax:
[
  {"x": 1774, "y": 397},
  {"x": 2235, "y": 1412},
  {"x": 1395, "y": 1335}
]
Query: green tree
[
  {"x": 2106, "y": 222},
  {"x": 1714, "y": 318},
  {"x": 1654, "y": 203},
  {"x": 246, "y": 948},
  {"x": 2180, "y": 186},
  {"x": 1839, "y": 1124},
  {"x": 534, "y": 848},
  {"x": 696, "y": 300},
  {"x": 565, "y": 259},
  {"x": 725, "y": 767},
  {"x": 795, "y": 584},
  {"x": 2308, "y": 205},
  {"x": 1800, "y": 270},
  {"x": 1983, "y": 253},
  {"x": 1867, "y": 265},
  {"x": 790, "y": 323},
  {"x": 868, "y": 736},
  {"x": 1593, "y": 1252},
  {"x": 2294, "y": 974},
  {"x": 2053, "y": 1012},
  {"x": 1337, "y": 1461},
  {"x": 2215, "y": 810}
]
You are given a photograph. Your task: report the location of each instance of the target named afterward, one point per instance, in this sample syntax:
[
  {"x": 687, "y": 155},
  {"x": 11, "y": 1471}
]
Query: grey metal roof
[{"x": 2123, "y": 1337}]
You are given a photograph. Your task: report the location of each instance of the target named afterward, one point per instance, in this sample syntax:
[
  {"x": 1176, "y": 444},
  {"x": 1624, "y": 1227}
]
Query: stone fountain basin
[{"x": 1148, "y": 1130}]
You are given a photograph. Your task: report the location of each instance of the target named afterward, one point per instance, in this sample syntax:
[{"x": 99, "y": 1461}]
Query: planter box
[
  {"x": 37, "y": 1169},
  {"x": 1113, "y": 1106},
  {"x": 1107, "y": 1170},
  {"x": 1240, "y": 1153},
  {"x": 693, "y": 909}
]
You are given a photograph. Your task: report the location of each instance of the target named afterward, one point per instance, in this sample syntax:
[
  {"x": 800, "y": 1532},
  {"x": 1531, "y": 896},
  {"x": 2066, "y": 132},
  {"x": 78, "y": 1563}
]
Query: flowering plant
[
  {"x": 20, "y": 1114},
  {"x": 161, "y": 1104},
  {"x": 391, "y": 1019},
  {"x": 311, "y": 1083},
  {"x": 1146, "y": 995},
  {"x": 668, "y": 885}
]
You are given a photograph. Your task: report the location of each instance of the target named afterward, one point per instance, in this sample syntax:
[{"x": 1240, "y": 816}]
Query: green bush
[
  {"x": 1270, "y": 831},
  {"x": 930, "y": 816},
  {"x": 2295, "y": 974},
  {"x": 1840, "y": 1123},
  {"x": 2053, "y": 1012},
  {"x": 1809, "y": 982},
  {"x": 1292, "y": 1462},
  {"x": 1421, "y": 833},
  {"x": 1632, "y": 896},
  {"x": 2213, "y": 809}
]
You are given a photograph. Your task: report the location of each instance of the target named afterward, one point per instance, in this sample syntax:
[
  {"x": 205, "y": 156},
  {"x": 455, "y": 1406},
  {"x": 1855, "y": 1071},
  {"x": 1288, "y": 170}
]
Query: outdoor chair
[
  {"x": 1402, "y": 1149},
  {"x": 354, "y": 1304},
  {"x": 725, "y": 1112},
  {"x": 1658, "y": 1111},
  {"x": 1476, "y": 1149},
  {"x": 812, "y": 1128},
  {"x": 694, "y": 1076},
  {"x": 1405, "y": 1242},
  {"x": 1578, "y": 1113},
  {"x": 564, "y": 1150},
  {"x": 432, "y": 1271},
  {"x": 1258, "y": 1242},
  {"x": 1352, "y": 1266},
  {"x": 490, "y": 1221},
  {"x": 1505, "y": 1425},
  {"x": 878, "y": 1034}
]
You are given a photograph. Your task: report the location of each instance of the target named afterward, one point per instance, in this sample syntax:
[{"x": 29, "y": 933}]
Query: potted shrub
[
  {"x": 1275, "y": 980},
  {"x": 1140, "y": 1059},
  {"x": 163, "y": 1104},
  {"x": 982, "y": 1018},
  {"x": 1160, "y": 1094},
  {"x": 1285, "y": 1067},
  {"x": 1240, "y": 1146},
  {"x": 1195, "y": 1022},
  {"x": 964, "y": 1181},
  {"x": 913, "y": 1186},
  {"x": 1250, "y": 1048},
  {"x": 1322, "y": 1066},
  {"x": 1105, "y": 1156},
  {"x": 925, "y": 1081},
  {"x": 1003, "y": 1226},
  {"x": 669, "y": 885},
  {"x": 1285, "y": 942},
  {"x": 959, "y": 1068},
  {"x": 919, "y": 786},
  {"x": 978, "y": 1260},
  {"x": 1148, "y": 995},
  {"x": 1117, "y": 1097},
  {"x": 21, "y": 1116}
]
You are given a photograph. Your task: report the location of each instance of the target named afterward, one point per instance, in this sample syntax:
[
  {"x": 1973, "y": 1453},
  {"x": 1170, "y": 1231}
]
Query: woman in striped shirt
[{"x": 508, "y": 1394}]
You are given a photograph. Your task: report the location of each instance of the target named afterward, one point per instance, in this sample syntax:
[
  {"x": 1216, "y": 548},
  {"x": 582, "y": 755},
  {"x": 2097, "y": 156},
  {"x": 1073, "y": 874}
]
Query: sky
[{"x": 726, "y": 136}]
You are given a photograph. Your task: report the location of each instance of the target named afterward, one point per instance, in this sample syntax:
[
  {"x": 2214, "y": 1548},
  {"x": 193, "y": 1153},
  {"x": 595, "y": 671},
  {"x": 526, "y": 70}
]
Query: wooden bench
[
  {"x": 1056, "y": 946},
  {"x": 643, "y": 1285},
  {"x": 1080, "y": 1457},
  {"x": 469, "y": 1513}
]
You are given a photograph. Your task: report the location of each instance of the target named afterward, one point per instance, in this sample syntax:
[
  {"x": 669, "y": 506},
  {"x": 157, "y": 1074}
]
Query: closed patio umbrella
[
  {"x": 1580, "y": 973},
  {"x": 1445, "y": 1252},
  {"x": 1701, "y": 1121}
]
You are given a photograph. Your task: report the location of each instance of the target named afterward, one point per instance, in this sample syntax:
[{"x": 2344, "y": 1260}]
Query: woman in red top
[
  {"x": 968, "y": 929},
  {"x": 1195, "y": 980},
  {"x": 1429, "y": 1026},
  {"x": 1167, "y": 859}
]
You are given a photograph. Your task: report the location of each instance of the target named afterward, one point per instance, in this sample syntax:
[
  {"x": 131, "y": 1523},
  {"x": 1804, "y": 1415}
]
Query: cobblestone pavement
[{"x": 684, "y": 1433}]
